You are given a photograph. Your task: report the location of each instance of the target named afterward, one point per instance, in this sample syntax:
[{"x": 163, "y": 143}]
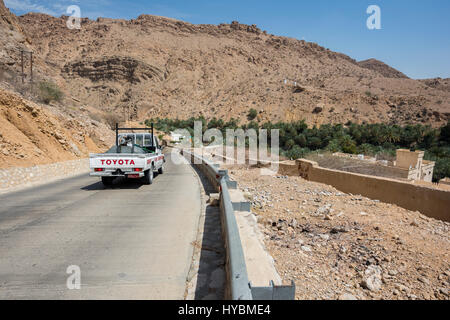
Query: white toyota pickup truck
[{"x": 135, "y": 156}]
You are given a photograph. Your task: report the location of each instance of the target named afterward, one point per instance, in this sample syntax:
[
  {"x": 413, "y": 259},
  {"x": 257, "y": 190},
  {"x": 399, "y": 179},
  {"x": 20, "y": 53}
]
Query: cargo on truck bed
[{"x": 135, "y": 156}]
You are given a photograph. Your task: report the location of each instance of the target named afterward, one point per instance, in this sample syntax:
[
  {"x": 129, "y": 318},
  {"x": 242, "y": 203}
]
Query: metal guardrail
[{"x": 238, "y": 286}]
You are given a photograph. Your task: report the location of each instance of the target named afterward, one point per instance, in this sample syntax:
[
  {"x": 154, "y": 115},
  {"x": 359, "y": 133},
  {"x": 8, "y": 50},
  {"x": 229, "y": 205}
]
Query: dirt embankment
[{"x": 33, "y": 134}]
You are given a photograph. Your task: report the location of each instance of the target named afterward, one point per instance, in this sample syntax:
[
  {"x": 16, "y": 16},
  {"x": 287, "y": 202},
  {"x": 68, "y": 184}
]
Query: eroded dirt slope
[{"x": 33, "y": 134}]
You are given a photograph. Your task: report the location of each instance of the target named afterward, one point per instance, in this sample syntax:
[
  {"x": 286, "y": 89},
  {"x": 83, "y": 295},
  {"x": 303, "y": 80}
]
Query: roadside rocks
[
  {"x": 14, "y": 178},
  {"x": 347, "y": 296},
  {"x": 402, "y": 288},
  {"x": 372, "y": 278},
  {"x": 306, "y": 248},
  {"x": 325, "y": 210},
  {"x": 214, "y": 199},
  {"x": 444, "y": 291},
  {"x": 317, "y": 110},
  {"x": 424, "y": 280},
  {"x": 339, "y": 229}
]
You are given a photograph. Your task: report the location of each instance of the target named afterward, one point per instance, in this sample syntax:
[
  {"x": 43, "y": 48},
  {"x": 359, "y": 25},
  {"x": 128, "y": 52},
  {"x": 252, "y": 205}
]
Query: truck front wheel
[
  {"x": 148, "y": 178},
  {"x": 107, "y": 181}
]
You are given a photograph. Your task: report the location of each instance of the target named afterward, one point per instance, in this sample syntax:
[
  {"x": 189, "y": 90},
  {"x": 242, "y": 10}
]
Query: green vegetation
[
  {"x": 381, "y": 140},
  {"x": 168, "y": 125},
  {"x": 252, "y": 114},
  {"x": 49, "y": 91}
]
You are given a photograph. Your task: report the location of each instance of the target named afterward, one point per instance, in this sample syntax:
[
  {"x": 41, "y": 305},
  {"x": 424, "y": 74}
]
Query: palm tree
[{"x": 391, "y": 134}]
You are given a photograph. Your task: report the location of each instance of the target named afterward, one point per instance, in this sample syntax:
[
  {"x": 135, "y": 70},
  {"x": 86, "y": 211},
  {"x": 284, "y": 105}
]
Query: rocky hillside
[
  {"x": 154, "y": 66},
  {"x": 438, "y": 83},
  {"x": 33, "y": 134},
  {"x": 12, "y": 41},
  {"x": 382, "y": 68}
]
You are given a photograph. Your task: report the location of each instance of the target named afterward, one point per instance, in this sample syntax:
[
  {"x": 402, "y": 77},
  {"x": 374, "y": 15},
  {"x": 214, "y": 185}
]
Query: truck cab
[{"x": 143, "y": 140}]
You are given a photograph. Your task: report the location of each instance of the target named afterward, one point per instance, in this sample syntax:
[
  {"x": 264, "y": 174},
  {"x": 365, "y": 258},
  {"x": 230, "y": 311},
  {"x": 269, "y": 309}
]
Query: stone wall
[
  {"x": 288, "y": 168},
  {"x": 431, "y": 202},
  {"x": 17, "y": 178}
]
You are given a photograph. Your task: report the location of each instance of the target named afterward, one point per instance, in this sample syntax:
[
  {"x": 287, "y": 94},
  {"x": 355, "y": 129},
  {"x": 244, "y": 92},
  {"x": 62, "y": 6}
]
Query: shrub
[
  {"x": 296, "y": 153},
  {"x": 334, "y": 146},
  {"x": 347, "y": 144},
  {"x": 366, "y": 149},
  {"x": 289, "y": 144},
  {"x": 252, "y": 114},
  {"x": 49, "y": 91},
  {"x": 444, "y": 134},
  {"x": 314, "y": 143},
  {"x": 301, "y": 140}
]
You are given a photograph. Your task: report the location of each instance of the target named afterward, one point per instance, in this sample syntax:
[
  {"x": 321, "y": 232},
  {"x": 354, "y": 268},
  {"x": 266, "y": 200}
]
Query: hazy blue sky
[{"x": 415, "y": 34}]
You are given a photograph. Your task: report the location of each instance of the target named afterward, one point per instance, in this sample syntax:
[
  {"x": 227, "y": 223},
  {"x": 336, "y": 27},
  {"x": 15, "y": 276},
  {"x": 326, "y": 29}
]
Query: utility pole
[
  {"x": 22, "y": 63},
  {"x": 125, "y": 118},
  {"x": 23, "y": 74},
  {"x": 31, "y": 66}
]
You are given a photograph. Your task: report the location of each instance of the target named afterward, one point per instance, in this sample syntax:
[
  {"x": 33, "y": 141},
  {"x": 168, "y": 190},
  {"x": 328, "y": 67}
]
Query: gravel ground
[{"x": 342, "y": 246}]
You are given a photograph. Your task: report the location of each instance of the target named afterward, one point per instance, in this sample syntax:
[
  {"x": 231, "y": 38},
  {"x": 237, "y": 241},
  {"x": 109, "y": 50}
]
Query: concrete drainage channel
[{"x": 238, "y": 286}]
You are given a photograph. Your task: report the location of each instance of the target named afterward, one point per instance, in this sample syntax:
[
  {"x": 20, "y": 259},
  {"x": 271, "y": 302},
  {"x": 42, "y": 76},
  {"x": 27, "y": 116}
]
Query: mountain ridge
[
  {"x": 171, "y": 68},
  {"x": 381, "y": 67}
]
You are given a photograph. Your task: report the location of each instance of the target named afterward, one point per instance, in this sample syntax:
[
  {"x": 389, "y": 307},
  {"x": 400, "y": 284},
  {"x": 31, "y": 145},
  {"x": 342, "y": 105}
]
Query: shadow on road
[
  {"x": 210, "y": 253},
  {"x": 119, "y": 183}
]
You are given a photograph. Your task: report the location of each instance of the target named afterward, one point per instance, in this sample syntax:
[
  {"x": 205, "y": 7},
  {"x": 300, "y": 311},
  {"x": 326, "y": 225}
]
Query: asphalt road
[{"x": 130, "y": 242}]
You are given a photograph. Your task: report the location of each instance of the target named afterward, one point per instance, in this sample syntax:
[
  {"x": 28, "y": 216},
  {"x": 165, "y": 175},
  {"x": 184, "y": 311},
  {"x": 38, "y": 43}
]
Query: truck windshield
[
  {"x": 140, "y": 140},
  {"x": 148, "y": 140},
  {"x": 126, "y": 149}
]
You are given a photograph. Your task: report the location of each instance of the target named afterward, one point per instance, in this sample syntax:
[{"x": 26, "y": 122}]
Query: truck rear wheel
[
  {"x": 161, "y": 170},
  {"x": 107, "y": 181},
  {"x": 148, "y": 178}
]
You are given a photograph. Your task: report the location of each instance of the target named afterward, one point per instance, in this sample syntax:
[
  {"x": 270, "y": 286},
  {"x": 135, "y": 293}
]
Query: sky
[{"x": 414, "y": 36}]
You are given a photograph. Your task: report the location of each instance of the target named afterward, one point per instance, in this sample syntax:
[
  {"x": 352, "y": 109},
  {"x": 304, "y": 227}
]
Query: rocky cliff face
[
  {"x": 8, "y": 19},
  {"x": 124, "y": 69},
  {"x": 12, "y": 41}
]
